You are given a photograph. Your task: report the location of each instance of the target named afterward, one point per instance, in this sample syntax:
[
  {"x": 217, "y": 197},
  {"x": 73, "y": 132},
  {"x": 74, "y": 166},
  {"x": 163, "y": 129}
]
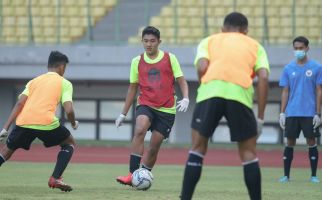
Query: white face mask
[{"x": 299, "y": 54}]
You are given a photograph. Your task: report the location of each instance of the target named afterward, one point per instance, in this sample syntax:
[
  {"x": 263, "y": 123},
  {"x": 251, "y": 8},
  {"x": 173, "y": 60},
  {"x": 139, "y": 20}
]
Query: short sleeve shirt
[
  {"x": 302, "y": 82},
  {"x": 227, "y": 90},
  {"x": 176, "y": 69},
  {"x": 67, "y": 95}
]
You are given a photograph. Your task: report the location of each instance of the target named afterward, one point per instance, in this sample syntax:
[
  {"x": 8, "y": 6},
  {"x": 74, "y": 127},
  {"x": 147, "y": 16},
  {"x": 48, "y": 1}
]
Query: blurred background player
[
  {"x": 226, "y": 63},
  {"x": 154, "y": 73},
  {"x": 35, "y": 118},
  {"x": 301, "y": 80}
]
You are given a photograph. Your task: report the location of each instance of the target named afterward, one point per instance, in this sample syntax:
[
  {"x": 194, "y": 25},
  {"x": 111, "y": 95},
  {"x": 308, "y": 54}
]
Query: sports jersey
[
  {"x": 156, "y": 83},
  {"x": 44, "y": 93},
  {"x": 302, "y": 82},
  {"x": 175, "y": 66},
  {"x": 234, "y": 58}
]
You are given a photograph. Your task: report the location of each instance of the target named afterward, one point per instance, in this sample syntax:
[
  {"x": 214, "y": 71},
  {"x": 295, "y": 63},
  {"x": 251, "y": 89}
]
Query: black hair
[
  {"x": 151, "y": 30},
  {"x": 236, "y": 19},
  {"x": 301, "y": 39},
  {"x": 56, "y": 59}
]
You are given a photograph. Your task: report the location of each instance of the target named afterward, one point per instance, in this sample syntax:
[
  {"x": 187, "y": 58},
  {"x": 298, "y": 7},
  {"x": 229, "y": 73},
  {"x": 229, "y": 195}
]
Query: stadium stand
[
  {"x": 50, "y": 21},
  {"x": 274, "y": 21},
  {"x": 180, "y": 21}
]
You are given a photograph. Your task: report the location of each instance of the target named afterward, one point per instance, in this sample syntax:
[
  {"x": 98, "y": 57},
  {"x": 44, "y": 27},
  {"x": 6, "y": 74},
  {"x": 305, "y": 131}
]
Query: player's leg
[
  {"x": 161, "y": 127},
  {"x": 141, "y": 127},
  {"x": 287, "y": 159},
  {"x": 311, "y": 134},
  {"x": 194, "y": 164},
  {"x": 144, "y": 116},
  {"x": 152, "y": 151},
  {"x": 18, "y": 138},
  {"x": 292, "y": 132},
  {"x": 5, "y": 154},
  {"x": 252, "y": 175},
  {"x": 206, "y": 117},
  {"x": 242, "y": 123},
  {"x": 60, "y": 136},
  {"x": 313, "y": 157}
]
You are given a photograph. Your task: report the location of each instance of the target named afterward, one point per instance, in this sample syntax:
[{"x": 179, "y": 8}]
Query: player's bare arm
[
  {"x": 69, "y": 109},
  {"x": 183, "y": 87},
  {"x": 15, "y": 111},
  {"x": 131, "y": 93},
  {"x": 284, "y": 99},
  {"x": 202, "y": 66},
  {"x": 262, "y": 90}
]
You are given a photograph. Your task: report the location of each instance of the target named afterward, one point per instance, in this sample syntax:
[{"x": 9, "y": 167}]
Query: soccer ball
[{"x": 142, "y": 179}]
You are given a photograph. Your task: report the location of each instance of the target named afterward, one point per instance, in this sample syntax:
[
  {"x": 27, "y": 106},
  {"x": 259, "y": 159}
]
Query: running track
[{"x": 177, "y": 156}]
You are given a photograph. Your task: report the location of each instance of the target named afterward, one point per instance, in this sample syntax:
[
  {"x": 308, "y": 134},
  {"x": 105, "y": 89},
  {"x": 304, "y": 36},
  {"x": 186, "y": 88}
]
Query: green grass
[
  {"x": 96, "y": 181},
  {"x": 166, "y": 144}
]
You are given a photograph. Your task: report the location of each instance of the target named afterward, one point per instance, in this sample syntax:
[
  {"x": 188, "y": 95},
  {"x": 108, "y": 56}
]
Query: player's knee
[
  {"x": 140, "y": 131},
  {"x": 248, "y": 155}
]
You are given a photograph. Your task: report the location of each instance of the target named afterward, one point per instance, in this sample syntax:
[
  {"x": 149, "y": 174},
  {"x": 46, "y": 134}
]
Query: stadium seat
[{"x": 73, "y": 19}]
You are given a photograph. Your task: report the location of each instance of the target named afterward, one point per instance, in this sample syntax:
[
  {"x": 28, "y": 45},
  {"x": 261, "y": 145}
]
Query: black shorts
[
  {"x": 23, "y": 137},
  {"x": 240, "y": 118},
  {"x": 160, "y": 121},
  {"x": 294, "y": 126}
]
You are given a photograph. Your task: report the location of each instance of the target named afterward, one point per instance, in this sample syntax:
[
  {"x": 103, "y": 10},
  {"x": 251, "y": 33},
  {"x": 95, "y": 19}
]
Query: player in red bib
[{"x": 154, "y": 73}]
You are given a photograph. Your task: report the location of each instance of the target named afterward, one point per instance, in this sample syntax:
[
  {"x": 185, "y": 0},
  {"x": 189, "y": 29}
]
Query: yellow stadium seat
[
  {"x": 98, "y": 11},
  {"x": 8, "y": 11},
  {"x": 46, "y": 3},
  {"x": 21, "y": 11},
  {"x": 167, "y": 11},
  {"x": 18, "y": 3},
  {"x": 23, "y": 39},
  {"x": 9, "y": 21},
  {"x": 22, "y": 21},
  {"x": 10, "y": 39},
  {"x": 49, "y": 21},
  {"x": 9, "y": 31},
  {"x": 156, "y": 21},
  {"x": 21, "y": 31},
  {"x": 134, "y": 40},
  {"x": 38, "y": 31},
  {"x": 50, "y": 31}
]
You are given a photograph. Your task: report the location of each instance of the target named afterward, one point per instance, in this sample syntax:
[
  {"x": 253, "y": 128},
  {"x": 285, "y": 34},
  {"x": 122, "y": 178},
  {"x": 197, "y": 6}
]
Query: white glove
[
  {"x": 119, "y": 120},
  {"x": 183, "y": 105},
  {"x": 316, "y": 121},
  {"x": 76, "y": 125},
  {"x": 260, "y": 124},
  {"x": 3, "y": 134},
  {"x": 282, "y": 120}
]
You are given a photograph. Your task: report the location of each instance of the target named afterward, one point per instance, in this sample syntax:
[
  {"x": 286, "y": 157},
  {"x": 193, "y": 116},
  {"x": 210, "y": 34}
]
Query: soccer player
[
  {"x": 226, "y": 63},
  {"x": 301, "y": 80},
  {"x": 154, "y": 73},
  {"x": 35, "y": 118}
]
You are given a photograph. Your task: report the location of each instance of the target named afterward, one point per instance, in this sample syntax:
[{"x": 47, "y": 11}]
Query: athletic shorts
[
  {"x": 23, "y": 137},
  {"x": 160, "y": 121},
  {"x": 240, "y": 118},
  {"x": 294, "y": 126}
]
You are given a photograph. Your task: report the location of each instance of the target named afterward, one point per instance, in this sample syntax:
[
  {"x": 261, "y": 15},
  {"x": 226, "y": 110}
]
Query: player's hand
[
  {"x": 260, "y": 124},
  {"x": 282, "y": 120},
  {"x": 3, "y": 134},
  {"x": 76, "y": 125},
  {"x": 119, "y": 120},
  {"x": 316, "y": 121},
  {"x": 183, "y": 105}
]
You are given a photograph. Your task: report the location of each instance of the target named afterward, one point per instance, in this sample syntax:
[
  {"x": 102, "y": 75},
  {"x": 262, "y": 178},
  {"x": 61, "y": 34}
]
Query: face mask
[{"x": 299, "y": 54}]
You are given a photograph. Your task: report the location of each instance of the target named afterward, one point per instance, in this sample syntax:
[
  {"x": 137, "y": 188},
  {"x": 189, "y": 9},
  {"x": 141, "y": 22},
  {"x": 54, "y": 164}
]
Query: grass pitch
[{"x": 97, "y": 181}]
